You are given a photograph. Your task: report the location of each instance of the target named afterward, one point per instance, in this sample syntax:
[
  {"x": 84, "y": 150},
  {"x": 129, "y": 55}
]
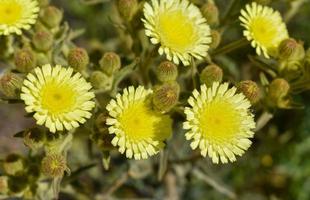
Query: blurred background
[{"x": 276, "y": 167}]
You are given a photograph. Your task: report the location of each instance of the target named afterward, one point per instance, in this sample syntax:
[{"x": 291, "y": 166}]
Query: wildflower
[
  {"x": 16, "y": 15},
  {"x": 264, "y": 28},
  {"x": 60, "y": 99},
  {"x": 139, "y": 130},
  {"x": 219, "y": 122},
  {"x": 180, "y": 29}
]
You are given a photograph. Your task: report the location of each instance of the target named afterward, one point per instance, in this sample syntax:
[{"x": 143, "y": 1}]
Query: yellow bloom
[
  {"x": 57, "y": 97},
  {"x": 179, "y": 27},
  {"x": 264, "y": 28},
  {"x": 16, "y": 15},
  {"x": 219, "y": 122},
  {"x": 139, "y": 130}
]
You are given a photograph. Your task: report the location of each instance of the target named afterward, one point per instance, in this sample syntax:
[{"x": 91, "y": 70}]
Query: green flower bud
[
  {"x": 211, "y": 73},
  {"x": 290, "y": 49},
  {"x": 51, "y": 16},
  {"x": 54, "y": 165},
  {"x": 4, "y": 185},
  {"x": 110, "y": 63},
  {"x": 127, "y": 8},
  {"x": 78, "y": 59},
  {"x": 25, "y": 60},
  {"x": 10, "y": 85},
  {"x": 13, "y": 164},
  {"x": 42, "y": 40},
  {"x": 42, "y": 59},
  {"x": 34, "y": 138},
  {"x": 100, "y": 80},
  {"x": 278, "y": 90},
  {"x": 166, "y": 96},
  {"x": 211, "y": 13},
  {"x": 167, "y": 71},
  {"x": 250, "y": 89},
  {"x": 216, "y": 39}
]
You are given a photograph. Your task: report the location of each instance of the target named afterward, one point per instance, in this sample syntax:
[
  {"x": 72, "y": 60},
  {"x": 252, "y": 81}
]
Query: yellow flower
[
  {"x": 219, "y": 122},
  {"x": 139, "y": 130},
  {"x": 16, "y": 15},
  {"x": 57, "y": 97},
  {"x": 264, "y": 28},
  {"x": 180, "y": 29}
]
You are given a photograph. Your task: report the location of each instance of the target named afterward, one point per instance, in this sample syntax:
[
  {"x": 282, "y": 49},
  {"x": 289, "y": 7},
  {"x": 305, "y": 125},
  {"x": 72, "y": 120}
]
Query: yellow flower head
[
  {"x": 16, "y": 15},
  {"x": 179, "y": 27},
  {"x": 57, "y": 97},
  {"x": 219, "y": 122},
  {"x": 139, "y": 130},
  {"x": 264, "y": 28}
]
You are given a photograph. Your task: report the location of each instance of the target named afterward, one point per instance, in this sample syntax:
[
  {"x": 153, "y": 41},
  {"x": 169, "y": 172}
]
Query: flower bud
[
  {"x": 127, "y": 8},
  {"x": 10, "y": 85},
  {"x": 54, "y": 165},
  {"x": 13, "y": 164},
  {"x": 110, "y": 63},
  {"x": 42, "y": 40},
  {"x": 211, "y": 73},
  {"x": 211, "y": 13},
  {"x": 100, "y": 80},
  {"x": 166, "y": 96},
  {"x": 4, "y": 185},
  {"x": 78, "y": 59},
  {"x": 25, "y": 60},
  {"x": 290, "y": 49},
  {"x": 167, "y": 71},
  {"x": 51, "y": 16},
  {"x": 216, "y": 39},
  {"x": 278, "y": 90},
  {"x": 42, "y": 59},
  {"x": 250, "y": 89},
  {"x": 34, "y": 138}
]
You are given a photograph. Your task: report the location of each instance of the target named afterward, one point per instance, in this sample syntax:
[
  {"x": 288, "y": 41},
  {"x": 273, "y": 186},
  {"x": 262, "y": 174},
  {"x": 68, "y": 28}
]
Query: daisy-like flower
[
  {"x": 16, "y": 15},
  {"x": 264, "y": 28},
  {"x": 58, "y": 98},
  {"x": 219, "y": 122},
  {"x": 139, "y": 130},
  {"x": 180, "y": 29}
]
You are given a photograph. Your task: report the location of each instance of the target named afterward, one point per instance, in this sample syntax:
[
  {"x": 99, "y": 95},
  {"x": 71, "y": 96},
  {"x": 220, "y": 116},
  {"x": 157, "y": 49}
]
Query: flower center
[
  {"x": 58, "y": 98},
  {"x": 176, "y": 30},
  {"x": 219, "y": 121},
  {"x": 10, "y": 12},
  {"x": 140, "y": 123},
  {"x": 264, "y": 31}
]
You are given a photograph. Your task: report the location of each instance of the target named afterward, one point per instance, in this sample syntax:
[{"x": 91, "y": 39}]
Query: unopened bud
[
  {"x": 42, "y": 40},
  {"x": 167, "y": 71},
  {"x": 4, "y": 185},
  {"x": 211, "y": 13},
  {"x": 10, "y": 85},
  {"x": 51, "y": 16},
  {"x": 78, "y": 59},
  {"x": 42, "y": 59},
  {"x": 250, "y": 89},
  {"x": 127, "y": 8},
  {"x": 211, "y": 73},
  {"x": 54, "y": 165},
  {"x": 100, "y": 80},
  {"x": 278, "y": 89},
  {"x": 290, "y": 49},
  {"x": 34, "y": 138},
  {"x": 25, "y": 60},
  {"x": 110, "y": 63},
  {"x": 216, "y": 39},
  {"x": 13, "y": 164},
  {"x": 166, "y": 96}
]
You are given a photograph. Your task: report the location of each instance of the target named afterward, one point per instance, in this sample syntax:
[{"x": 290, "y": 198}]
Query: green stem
[{"x": 231, "y": 47}]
